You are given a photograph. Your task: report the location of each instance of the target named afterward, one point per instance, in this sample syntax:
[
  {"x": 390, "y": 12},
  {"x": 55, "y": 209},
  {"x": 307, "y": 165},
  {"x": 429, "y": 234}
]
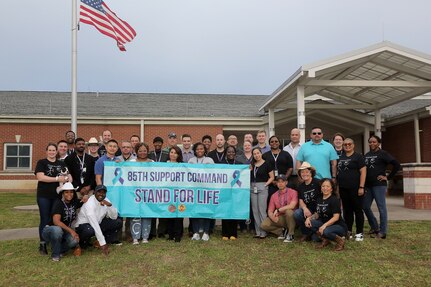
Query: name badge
[
  {"x": 276, "y": 173},
  {"x": 255, "y": 189}
]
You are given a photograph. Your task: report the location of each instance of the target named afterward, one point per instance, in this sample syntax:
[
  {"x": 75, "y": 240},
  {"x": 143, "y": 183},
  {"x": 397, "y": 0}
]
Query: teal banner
[{"x": 166, "y": 190}]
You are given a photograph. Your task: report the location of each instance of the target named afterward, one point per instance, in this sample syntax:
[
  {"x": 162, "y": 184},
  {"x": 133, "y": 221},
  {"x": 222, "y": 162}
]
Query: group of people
[{"x": 298, "y": 185}]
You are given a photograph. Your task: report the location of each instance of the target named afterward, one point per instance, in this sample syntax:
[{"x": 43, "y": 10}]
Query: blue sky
[{"x": 197, "y": 46}]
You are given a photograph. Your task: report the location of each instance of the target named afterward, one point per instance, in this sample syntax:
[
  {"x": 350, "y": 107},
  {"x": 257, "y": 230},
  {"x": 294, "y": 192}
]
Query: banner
[{"x": 165, "y": 190}]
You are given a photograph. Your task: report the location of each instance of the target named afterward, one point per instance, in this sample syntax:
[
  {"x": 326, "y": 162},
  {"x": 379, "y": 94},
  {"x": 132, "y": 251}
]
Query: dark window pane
[
  {"x": 24, "y": 150},
  {"x": 12, "y": 150},
  {"x": 11, "y": 162},
  {"x": 24, "y": 162}
]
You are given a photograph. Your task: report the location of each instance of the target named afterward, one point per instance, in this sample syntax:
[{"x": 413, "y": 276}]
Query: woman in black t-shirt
[
  {"x": 326, "y": 222},
  {"x": 351, "y": 173},
  {"x": 262, "y": 175},
  {"x": 48, "y": 173}
]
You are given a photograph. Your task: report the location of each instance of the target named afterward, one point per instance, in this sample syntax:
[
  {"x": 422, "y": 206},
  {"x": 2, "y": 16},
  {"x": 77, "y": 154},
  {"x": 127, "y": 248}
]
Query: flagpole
[{"x": 74, "y": 66}]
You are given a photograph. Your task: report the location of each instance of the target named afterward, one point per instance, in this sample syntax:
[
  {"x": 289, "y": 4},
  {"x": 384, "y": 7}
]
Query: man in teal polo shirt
[{"x": 319, "y": 154}]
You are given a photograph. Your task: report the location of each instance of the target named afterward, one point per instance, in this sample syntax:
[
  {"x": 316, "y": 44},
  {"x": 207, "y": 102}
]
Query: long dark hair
[
  {"x": 253, "y": 161},
  {"x": 178, "y": 151}
]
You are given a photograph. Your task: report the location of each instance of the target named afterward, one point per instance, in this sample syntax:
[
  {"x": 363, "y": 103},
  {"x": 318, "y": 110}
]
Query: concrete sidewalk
[{"x": 395, "y": 205}]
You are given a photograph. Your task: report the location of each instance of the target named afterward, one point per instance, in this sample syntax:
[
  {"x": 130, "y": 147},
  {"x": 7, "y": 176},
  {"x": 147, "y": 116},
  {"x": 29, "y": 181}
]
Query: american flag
[{"x": 96, "y": 13}]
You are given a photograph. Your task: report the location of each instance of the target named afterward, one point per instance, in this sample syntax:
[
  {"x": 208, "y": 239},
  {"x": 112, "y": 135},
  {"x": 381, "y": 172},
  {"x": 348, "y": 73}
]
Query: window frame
[{"x": 5, "y": 156}]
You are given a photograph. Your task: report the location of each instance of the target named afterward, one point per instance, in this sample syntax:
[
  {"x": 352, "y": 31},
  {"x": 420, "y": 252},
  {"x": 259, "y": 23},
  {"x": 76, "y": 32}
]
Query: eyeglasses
[
  {"x": 318, "y": 133},
  {"x": 347, "y": 144}
]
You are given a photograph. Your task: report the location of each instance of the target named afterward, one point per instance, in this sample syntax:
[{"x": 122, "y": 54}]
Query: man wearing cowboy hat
[{"x": 59, "y": 230}]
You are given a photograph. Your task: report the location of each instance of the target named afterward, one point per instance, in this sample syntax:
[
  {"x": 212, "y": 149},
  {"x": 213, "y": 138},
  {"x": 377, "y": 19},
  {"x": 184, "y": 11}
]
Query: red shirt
[{"x": 282, "y": 198}]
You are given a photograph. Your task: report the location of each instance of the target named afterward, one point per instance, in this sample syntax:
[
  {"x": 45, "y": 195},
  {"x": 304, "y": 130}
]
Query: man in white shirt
[
  {"x": 293, "y": 148},
  {"x": 99, "y": 218}
]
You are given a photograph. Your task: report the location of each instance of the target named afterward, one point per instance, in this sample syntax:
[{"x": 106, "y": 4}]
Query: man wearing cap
[
  {"x": 172, "y": 140},
  {"x": 59, "y": 230},
  {"x": 319, "y": 154},
  {"x": 98, "y": 217},
  {"x": 93, "y": 146},
  {"x": 81, "y": 167},
  {"x": 308, "y": 192},
  {"x": 280, "y": 211},
  {"x": 158, "y": 154}
]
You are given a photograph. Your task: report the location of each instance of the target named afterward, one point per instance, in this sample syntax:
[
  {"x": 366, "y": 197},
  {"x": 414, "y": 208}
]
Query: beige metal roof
[{"x": 364, "y": 80}]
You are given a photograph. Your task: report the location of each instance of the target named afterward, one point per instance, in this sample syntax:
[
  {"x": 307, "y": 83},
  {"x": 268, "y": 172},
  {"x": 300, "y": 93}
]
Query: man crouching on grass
[
  {"x": 98, "y": 217},
  {"x": 280, "y": 211}
]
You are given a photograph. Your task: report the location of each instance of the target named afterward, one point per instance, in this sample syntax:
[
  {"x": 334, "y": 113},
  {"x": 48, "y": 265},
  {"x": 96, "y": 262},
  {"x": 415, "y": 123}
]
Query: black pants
[
  {"x": 110, "y": 229},
  {"x": 175, "y": 227},
  {"x": 352, "y": 209},
  {"x": 228, "y": 228}
]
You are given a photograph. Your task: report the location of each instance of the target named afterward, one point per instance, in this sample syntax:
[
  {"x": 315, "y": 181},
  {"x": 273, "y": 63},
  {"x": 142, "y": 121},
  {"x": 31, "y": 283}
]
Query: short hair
[
  {"x": 261, "y": 132},
  {"x": 70, "y": 132},
  {"x": 61, "y": 141},
  {"x": 378, "y": 139},
  {"x": 135, "y": 136},
  {"x": 195, "y": 146},
  {"x": 186, "y": 136},
  {"x": 107, "y": 131},
  {"x": 113, "y": 141},
  {"x": 79, "y": 140},
  {"x": 207, "y": 137},
  {"x": 178, "y": 151},
  {"x": 274, "y": 136},
  {"x": 338, "y": 135},
  {"x": 139, "y": 145},
  {"x": 316, "y": 127},
  {"x": 225, "y": 150}
]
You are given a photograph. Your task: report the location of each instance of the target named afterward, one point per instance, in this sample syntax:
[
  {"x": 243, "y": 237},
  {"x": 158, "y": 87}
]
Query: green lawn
[
  {"x": 10, "y": 218},
  {"x": 404, "y": 259}
]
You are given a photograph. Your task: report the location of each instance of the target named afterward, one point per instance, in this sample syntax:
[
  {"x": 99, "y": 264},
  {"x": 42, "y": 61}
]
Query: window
[{"x": 17, "y": 156}]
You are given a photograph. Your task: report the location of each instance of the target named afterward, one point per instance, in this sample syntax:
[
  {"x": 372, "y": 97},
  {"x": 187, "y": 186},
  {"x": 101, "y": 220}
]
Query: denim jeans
[
  {"x": 377, "y": 193},
  {"x": 140, "y": 227},
  {"x": 300, "y": 221},
  {"x": 60, "y": 240},
  {"x": 201, "y": 223},
  {"x": 109, "y": 227},
  {"x": 45, "y": 207},
  {"x": 330, "y": 232}
]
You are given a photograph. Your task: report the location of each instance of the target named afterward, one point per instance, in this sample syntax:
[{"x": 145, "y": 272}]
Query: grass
[
  {"x": 401, "y": 260},
  {"x": 10, "y": 218}
]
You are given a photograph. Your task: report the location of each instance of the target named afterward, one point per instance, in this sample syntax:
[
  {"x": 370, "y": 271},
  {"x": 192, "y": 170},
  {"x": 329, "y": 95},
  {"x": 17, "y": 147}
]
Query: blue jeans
[
  {"x": 298, "y": 214},
  {"x": 60, "y": 240},
  {"x": 45, "y": 207},
  {"x": 140, "y": 227},
  {"x": 201, "y": 223},
  {"x": 330, "y": 232},
  {"x": 377, "y": 193}
]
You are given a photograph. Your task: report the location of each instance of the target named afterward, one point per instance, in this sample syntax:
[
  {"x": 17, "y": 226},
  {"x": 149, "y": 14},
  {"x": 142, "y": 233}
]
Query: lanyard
[
  {"x": 234, "y": 161},
  {"x": 155, "y": 156},
  {"x": 218, "y": 157},
  {"x": 275, "y": 159},
  {"x": 203, "y": 158},
  {"x": 81, "y": 162},
  {"x": 256, "y": 168}
]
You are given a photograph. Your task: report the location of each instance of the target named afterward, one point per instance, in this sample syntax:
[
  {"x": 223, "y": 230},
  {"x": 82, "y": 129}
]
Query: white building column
[
  {"x": 366, "y": 137},
  {"x": 271, "y": 123},
  {"x": 300, "y": 107},
  {"x": 378, "y": 123},
  {"x": 142, "y": 130},
  {"x": 417, "y": 139}
]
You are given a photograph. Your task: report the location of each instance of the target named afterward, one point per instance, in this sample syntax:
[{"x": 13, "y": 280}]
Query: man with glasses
[
  {"x": 319, "y": 154},
  {"x": 126, "y": 152}
]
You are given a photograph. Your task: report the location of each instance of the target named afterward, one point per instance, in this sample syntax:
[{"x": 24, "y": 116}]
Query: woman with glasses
[
  {"x": 351, "y": 173},
  {"x": 377, "y": 160}
]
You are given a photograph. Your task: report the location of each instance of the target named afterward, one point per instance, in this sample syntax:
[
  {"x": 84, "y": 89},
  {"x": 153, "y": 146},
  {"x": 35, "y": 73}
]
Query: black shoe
[
  {"x": 42, "y": 249},
  {"x": 170, "y": 238},
  {"x": 161, "y": 235},
  {"x": 381, "y": 236},
  {"x": 177, "y": 239}
]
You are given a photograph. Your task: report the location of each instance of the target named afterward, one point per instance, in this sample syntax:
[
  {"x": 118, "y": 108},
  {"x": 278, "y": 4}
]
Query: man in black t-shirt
[{"x": 59, "y": 231}]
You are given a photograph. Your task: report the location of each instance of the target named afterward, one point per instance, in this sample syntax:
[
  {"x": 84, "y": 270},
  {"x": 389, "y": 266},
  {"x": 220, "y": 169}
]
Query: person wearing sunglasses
[{"x": 319, "y": 154}]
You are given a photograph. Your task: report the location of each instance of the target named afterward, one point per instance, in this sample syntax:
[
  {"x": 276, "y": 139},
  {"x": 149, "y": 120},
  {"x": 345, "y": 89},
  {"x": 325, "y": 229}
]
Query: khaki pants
[{"x": 284, "y": 221}]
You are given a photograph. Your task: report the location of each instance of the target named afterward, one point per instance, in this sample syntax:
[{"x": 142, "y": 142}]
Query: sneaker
[
  {"x": 55, "y": 259},
  {"x": 225, "y": 238},
  {"x": 196, "y": 236},
  {"x": 118, "y": 243},
  {"x": 205, "y": 237},
  {"x": 283, "y": 234},
  {"x": 289, "y": 239},
  {"x": 135, "y": 242},
  {"x": 77, "y": 251},
  {"x": 232, "y": 238},
  {"x": 359, "y": 237},
  {"x": 349, "y": 235},
  {"x": 144, "y": 241}
]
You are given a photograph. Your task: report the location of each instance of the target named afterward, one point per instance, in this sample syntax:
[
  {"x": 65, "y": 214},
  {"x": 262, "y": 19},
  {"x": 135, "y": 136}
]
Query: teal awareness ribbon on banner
[
  {"x": 236, "y": 175},
  {"x": 118, "y": 173}
]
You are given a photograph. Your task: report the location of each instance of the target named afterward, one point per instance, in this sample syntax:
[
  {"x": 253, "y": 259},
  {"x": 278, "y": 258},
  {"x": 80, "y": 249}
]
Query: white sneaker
[
  {"x": 135, "y": 242},
  {"x": 196, "y": 236},
  {"x": 283, "y": 234},
  {"x": 144, "y": 241},
  {"x": 359, "y": 237},
  {"x": 205, "y": 237},
  {"x": 289, "y": 239}
]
